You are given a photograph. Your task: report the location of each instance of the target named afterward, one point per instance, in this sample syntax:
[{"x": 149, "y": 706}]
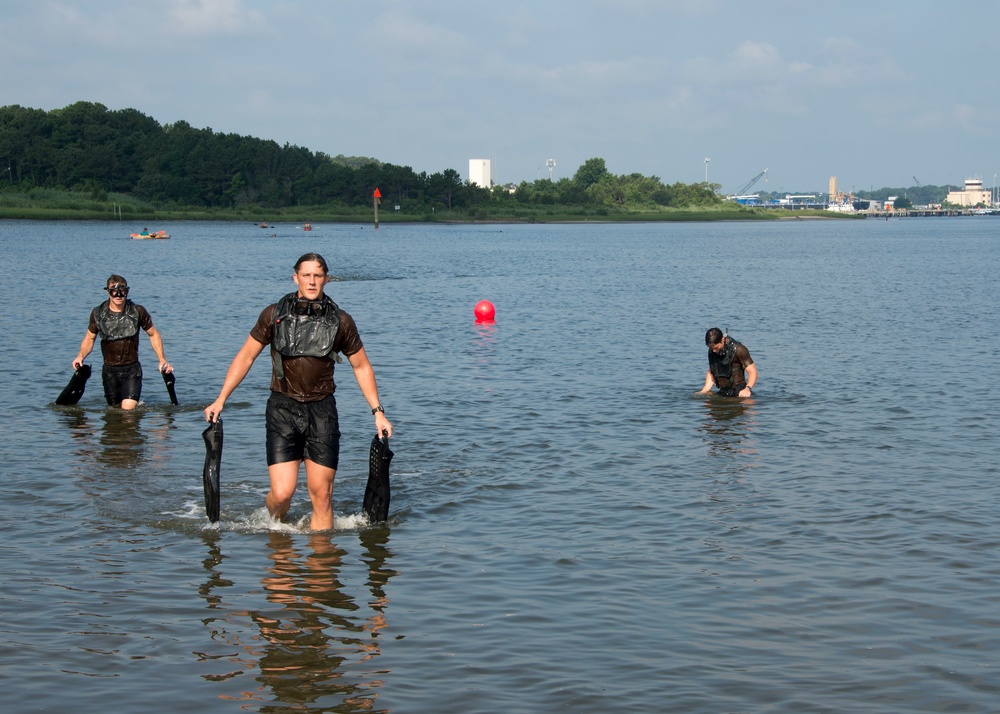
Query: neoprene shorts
[
  {"x": 302, "y": 430},
  {"x": 122, "y": 382}
]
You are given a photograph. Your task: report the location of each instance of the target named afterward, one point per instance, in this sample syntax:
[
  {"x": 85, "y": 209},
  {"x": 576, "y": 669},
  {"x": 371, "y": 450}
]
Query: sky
[{"x": 890, "y": 93}]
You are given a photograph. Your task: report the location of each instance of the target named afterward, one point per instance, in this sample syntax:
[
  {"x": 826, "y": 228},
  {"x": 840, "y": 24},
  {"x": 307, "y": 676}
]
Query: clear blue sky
[{"x": 875, "y": 93}]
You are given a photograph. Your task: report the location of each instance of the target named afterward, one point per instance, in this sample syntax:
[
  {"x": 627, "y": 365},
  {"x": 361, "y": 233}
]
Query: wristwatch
[{"x": 378, "y": 409}]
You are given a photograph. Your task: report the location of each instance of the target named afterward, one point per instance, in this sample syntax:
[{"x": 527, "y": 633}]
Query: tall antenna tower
[{"x": 550, "y": 164}]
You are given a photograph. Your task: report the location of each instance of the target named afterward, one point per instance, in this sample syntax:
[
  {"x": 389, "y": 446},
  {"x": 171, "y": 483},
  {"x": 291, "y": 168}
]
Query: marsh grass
[{"x": 55, "y": 204}]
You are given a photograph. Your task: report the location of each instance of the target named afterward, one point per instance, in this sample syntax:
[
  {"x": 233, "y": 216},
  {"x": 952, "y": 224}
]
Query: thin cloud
[
  {"x": 215, "y": 17},
  {"x": 965, "y": 117},
  {"x": 403, "y": 34}
]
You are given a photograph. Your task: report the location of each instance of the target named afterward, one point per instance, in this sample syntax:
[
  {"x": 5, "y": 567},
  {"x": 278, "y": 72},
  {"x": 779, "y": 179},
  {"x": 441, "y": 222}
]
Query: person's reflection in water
[
  {"x": 117, "y": 464},
  {"x": 75, "y": 419},
  {"x": 124, "y": 441},
  {"x": 729, "y": 424},
  {"x": 731, "y": 493},
  {"x": 311, "y": 642}
]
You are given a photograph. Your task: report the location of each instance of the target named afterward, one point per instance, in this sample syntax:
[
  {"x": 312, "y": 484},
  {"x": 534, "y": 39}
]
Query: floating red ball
[{"x": 485, "y": 311}]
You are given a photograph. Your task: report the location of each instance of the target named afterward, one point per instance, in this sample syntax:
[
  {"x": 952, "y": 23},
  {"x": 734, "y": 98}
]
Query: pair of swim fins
[
  {"x": 377, "y": 492},
  {"x": 78, "y": 383}
]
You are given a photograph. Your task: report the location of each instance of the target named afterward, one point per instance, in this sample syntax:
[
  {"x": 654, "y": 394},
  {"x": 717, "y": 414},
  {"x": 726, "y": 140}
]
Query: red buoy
[{"x": 485, "y": 312}]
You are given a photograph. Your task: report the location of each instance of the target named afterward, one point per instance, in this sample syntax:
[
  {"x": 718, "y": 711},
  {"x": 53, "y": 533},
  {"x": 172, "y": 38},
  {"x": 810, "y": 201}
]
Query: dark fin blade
[
  {"x": 74, "y": 390},
  {"x": 169, "y": 379},
  {"x": 376, "y": 504},
  {"x": 213, "y": 464}
]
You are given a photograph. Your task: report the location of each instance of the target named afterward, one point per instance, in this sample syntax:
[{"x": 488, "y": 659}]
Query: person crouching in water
[
  {"x": 730, "y": 366},
  {"x": 305, "y": 330},
  {"x": 118, "y": 320}
]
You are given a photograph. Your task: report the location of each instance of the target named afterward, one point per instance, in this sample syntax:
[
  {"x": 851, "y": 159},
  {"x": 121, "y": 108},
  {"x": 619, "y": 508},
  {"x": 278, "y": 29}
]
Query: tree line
[{"x": 87, "y": 147}]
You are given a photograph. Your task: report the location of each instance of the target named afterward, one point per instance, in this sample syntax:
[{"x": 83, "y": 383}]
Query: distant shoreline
[{"x": 317, "y": 217}]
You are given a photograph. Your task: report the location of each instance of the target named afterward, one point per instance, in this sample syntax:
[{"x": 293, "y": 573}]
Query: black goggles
[
  {"x": 309, "y": 307},
  {"x": 117, "y": 290}
]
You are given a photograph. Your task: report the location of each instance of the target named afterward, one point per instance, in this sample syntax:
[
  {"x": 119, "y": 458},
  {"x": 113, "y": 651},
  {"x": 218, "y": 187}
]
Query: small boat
[
  {"x": 146, "y": 235},
  {"x": 307, "y": 227}
]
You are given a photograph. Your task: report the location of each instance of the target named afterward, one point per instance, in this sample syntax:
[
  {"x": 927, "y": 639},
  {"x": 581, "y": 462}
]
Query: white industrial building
[
  {"x": 973, "y": 195},
  {"x": 479, "y": 173}
]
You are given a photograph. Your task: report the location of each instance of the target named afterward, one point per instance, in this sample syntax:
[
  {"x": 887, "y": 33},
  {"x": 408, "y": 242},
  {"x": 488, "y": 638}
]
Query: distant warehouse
[{"x": 973, "y": 195}]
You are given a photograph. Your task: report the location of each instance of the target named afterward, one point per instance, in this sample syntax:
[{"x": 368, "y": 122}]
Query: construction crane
[
  {"x": 751, "y": 182},
  {"x": 916, "y": 181}
]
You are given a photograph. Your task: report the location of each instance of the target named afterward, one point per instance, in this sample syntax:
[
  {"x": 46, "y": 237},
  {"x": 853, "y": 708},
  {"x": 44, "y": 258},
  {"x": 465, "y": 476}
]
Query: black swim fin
[
  {"x": 74, "y": 390},
  {"x": 376, "y": 504},
  {"x": 169, "y": 379},
  {"x": 213, "y": 463}
]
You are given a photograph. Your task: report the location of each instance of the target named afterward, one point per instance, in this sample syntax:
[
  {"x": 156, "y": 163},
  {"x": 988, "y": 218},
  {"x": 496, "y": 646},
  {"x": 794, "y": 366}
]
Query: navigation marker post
[{"x": 375, "y": 200}]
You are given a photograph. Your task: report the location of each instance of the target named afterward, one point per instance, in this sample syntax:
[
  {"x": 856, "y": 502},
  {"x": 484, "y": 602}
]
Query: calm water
[{"x": 573, "y": 529}]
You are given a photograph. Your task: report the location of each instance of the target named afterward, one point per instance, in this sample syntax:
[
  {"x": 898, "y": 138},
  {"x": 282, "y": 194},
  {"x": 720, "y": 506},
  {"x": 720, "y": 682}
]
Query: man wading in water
[
  {"x": 305, "y": 330},
  {"x": 730, "y": 366},
  {"x": 118, "y": 320}
]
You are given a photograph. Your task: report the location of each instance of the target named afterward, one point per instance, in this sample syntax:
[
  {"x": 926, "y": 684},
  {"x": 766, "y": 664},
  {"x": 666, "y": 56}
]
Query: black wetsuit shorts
[
  {"x": 122, "y": 382},
  {"x": 302, "y": 430}
]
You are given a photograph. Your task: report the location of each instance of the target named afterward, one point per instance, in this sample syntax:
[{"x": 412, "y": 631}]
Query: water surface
[{"x": 572, "y": 529}]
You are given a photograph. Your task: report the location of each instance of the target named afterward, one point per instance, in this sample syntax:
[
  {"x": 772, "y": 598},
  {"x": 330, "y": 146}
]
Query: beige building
[{"x": 973, "y": 194}]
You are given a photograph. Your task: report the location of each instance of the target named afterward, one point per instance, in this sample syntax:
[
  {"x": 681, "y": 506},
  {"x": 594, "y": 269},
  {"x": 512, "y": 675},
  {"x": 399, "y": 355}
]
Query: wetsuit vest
[
  {"x": 303, "y": 329},
  {"x": 721, "y": 365},
  {"x": 113, "y": 325}
]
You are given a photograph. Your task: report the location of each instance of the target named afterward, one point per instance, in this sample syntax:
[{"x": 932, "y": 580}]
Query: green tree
[
  {"x": 444, "y": 187},
  {"x": 590, "y": 173},
  {"x": 85, "y": 146}
]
